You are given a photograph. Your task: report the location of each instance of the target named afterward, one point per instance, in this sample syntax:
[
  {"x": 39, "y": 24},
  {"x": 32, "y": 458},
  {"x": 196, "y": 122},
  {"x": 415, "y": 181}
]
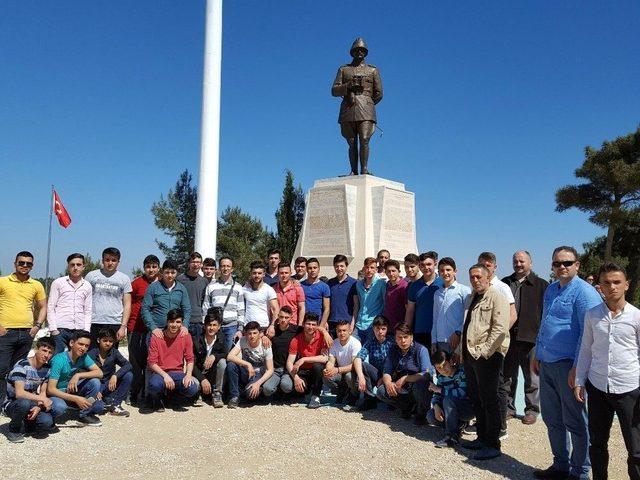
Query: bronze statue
[{"x": 360, "y": 87}]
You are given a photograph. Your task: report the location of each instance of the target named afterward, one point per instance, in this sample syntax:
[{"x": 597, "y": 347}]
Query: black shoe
[
  {"x": 406, "y": 414},
  {"x": 503, "y": 435},
  {"x": 233, "y": 402},
  {"x": 487, "y": 453},
  {"x": 15, "y": 437},
  {"x": 89, "y": 421},
  {"x": 420, "y": 420},
  {"x": 472, "y": 445},
  {"x": 551, "y": 474}
]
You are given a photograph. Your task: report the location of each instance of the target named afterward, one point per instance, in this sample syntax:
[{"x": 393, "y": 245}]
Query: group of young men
[{"x": 438, "y": 351}]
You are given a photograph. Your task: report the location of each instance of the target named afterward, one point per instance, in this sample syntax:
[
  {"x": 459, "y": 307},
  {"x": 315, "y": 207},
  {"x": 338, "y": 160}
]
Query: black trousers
[
  {"x": 313, "y": 378},
  {"x": 14, "y": 346},
  {"x": 138, "y": 351},
  {"x": 519, "y": 358},
  {"x": 600, "y": 408},
  {"x": 483, "y": 377}
]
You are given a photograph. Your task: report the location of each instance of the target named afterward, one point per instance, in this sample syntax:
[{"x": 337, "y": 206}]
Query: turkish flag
[{"x": 63, "y": 216}]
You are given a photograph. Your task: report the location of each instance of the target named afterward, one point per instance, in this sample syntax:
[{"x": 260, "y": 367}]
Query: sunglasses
[
  {"x": 566, "y": 264},
  {"x": 23, "y": 263}
]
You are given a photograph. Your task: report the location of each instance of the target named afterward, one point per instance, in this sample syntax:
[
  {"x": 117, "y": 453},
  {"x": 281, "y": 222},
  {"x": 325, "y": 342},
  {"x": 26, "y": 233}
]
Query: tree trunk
[{"x": 608, "y": 247}]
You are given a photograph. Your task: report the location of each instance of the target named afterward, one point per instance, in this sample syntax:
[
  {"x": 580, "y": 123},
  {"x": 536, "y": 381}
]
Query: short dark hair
[
  {"x": 311, "y": 317},
  {"x": 169, "y": 265},
  {"x": 440, "y": 356},
  {"x": 174, "y": 314},
  {"x": 404, "y": 328},
  {"x": 479, "y": 266},
  {"x": 273, "y": 251},
  {"x": 380, "y": 321},
  {"x": 383, "y": 250},
  {"x": 111, "y": 251},
  {"x": 225, "y": 257},
  {"x": 609, "y": 267},
  {"x": 565, "y": 248},
  {"x": 256, "y": 264},
  {"x": 342, "y": 323},
  {"x": 284, "y": 264},
  {"x": 150, "y": 260},
  {"x": 313, "y": 260},
  {"x": 106, "y": 333},
  {"x": 195, "y": 255},
  {"x": 433, "y": 255},
  {"x": 488, "y": 257},
  {"x": 340, "y": 258},
  {"x": 74, "y": 256},
  {"x": 78, "y": 334},
  {"x": 212, "y": 316},
  {"x": 286, "y": 309},
  {"x": 216, "y": 312},
  {"x": 411, "y": 258},
  {"x": 209, "y": 262},
  {"x": 46, "y": 342},
  {"x": 24, "y": 253},
  {"x": 369, "y": 260},
  {"x": 251, "y": 326},
  {"x": 300, "y": 260},
  {"x": 447, "y": 261},
  {"x": 392, "y": 263}
]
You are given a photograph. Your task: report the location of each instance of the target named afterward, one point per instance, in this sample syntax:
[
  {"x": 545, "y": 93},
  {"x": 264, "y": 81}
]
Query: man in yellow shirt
[{"x": 18, "y": 293}]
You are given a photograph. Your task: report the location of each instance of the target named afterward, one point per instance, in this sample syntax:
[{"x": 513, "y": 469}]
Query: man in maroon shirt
[
  {"x": 395, "y": 297},
  {"x": 167, "y": 358},
  {"x": 137, "y": 332}
]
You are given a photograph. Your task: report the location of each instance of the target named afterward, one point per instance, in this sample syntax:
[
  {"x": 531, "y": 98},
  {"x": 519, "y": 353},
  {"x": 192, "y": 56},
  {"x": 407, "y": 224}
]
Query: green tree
[
  {"x": 175, "y": 216},
  {"x": 612, "y": 188},
  {"x": 289, "y": 217},
  {"x": 243, "y": 238}
]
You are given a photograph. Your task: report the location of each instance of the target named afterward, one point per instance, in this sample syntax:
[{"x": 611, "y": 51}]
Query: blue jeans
[
  {"x": 456, "y": 411},
  {"x": 280, "y": 378},
  {"x": 195, "y": 329},
  {"x": 238, "y": 378},
  {"x": 415, "y": 395},
  {"x": 117, "y": 396},
  {"x": 229, "y": 333},
  {"x": 89, "y": 388},
  {"x": 19, "y": 408},
  {"x": 157, "y": 387},
  {"x": 565, "y": 419},
  {"x": 14, "y": 346},
  {"x": 62, "y": 339}
]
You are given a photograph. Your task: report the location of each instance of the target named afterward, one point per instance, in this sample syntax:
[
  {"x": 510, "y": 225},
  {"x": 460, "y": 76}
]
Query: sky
[{"x": 487, "y": 109}]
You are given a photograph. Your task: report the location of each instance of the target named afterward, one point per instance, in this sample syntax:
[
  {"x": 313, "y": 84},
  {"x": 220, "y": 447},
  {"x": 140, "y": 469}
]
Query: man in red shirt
[
  {"x": 307, "y": 358},
  {"x": 167, "y": 358},
  {"x": 289, "y": 293},
  {"x": 137, "y": 332}
]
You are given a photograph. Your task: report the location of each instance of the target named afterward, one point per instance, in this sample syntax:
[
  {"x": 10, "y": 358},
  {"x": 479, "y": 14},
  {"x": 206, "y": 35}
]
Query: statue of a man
[{"x": 360, "y": 87}]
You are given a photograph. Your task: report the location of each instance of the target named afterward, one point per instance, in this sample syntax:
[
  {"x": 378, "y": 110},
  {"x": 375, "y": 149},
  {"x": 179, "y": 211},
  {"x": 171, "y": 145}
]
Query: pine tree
[{"x": 289, "y": 217}]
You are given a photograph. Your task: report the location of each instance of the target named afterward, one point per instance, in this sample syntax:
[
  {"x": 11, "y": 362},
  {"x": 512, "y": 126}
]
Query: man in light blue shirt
[
  {"x": 448, "y": 308},
  {"x": 565, "y": 303},
  {"x": 368, "y": 302}
]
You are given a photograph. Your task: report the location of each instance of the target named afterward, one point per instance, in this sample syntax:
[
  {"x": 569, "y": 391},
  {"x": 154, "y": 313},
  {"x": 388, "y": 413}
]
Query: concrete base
[{"x": 357, "y": 216}]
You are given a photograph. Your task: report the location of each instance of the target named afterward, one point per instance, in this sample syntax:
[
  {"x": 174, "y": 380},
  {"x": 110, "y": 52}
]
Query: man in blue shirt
[
  {"x": 419, "y": 314},
  {"x": 342, "y": 288},
  {"x": 368, "y": 302},
  {"x": 406, "y": 377},
  {"x": 565, "y": 303},
  {"x": 316, "y": 292}
]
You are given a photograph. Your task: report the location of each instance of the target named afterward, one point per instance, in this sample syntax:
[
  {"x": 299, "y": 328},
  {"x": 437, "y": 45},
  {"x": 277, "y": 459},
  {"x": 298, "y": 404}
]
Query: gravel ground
[{"x": 271, "y": 442}]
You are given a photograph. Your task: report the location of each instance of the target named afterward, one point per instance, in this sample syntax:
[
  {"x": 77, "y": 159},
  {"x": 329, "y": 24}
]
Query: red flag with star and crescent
[{"x": 63, "y": 216}]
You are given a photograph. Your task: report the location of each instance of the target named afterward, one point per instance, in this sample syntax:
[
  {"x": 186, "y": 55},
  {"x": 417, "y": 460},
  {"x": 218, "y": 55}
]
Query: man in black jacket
[
  {"x": 528, "y": 291},
  {"x": 210, "y": 353}
]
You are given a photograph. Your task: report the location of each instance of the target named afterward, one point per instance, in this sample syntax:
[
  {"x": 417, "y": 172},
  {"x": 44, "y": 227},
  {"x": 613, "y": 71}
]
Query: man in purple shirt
[
  {"x": 70, "y": 303},
  {"x": 395, "y": 297}
]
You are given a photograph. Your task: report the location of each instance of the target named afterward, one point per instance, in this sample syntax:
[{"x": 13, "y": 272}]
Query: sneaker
[
  {"x": 503, "y": 435},
  {"x": 473, "y": 445},
  {"x": 217, "y": 400},
  {"x": 350, "y": 408},
  {"x": 529, "y": 419},
  {"x": 159, "y": 407},
  {"x": 233, "y": 402},
  {"x": 314, "y": 402},
  {"x": 487, "y": 453},
  {"x": 15, "y": 437},
  {"x": 550, "y": 474},
  {"x": 446, "y": 442},
  {"x": 118, "y": 411},
  {"x": 89, "y": 421},
  {"x": 470, "y": 430}
]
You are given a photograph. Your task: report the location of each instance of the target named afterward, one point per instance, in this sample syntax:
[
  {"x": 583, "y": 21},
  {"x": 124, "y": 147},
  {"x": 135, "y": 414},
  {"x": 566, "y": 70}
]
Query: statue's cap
[{"x": 359, "y": 43}]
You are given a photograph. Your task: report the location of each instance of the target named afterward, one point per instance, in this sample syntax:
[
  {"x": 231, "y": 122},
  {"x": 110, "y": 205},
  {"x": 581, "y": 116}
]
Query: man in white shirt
[
  {"x": 337, "y": 372},
  {"x": 608, "y": 368},
  {"x": 260, "y": 299}
]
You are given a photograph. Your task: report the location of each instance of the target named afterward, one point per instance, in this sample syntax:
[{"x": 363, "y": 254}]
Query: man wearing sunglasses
[
  {"x": 18, "y": 294},
  {"x": 565, "y": 303}
]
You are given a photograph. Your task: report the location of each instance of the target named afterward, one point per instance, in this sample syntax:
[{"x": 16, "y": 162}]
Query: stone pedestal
[{"x": 357, "y": 216}]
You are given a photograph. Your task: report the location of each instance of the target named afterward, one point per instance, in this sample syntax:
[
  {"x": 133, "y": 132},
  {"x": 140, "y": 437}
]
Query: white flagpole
[
  {"x": 46, "y": 273},
  {"x": 207, "y": 208}
]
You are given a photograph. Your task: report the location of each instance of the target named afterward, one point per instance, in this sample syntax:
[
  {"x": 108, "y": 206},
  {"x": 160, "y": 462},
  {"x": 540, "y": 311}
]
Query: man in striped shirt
[{"x": 226, "y": 293}]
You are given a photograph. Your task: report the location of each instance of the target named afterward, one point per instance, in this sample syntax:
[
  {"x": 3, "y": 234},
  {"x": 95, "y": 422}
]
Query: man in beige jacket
[{"x": 484, "y": 343}]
